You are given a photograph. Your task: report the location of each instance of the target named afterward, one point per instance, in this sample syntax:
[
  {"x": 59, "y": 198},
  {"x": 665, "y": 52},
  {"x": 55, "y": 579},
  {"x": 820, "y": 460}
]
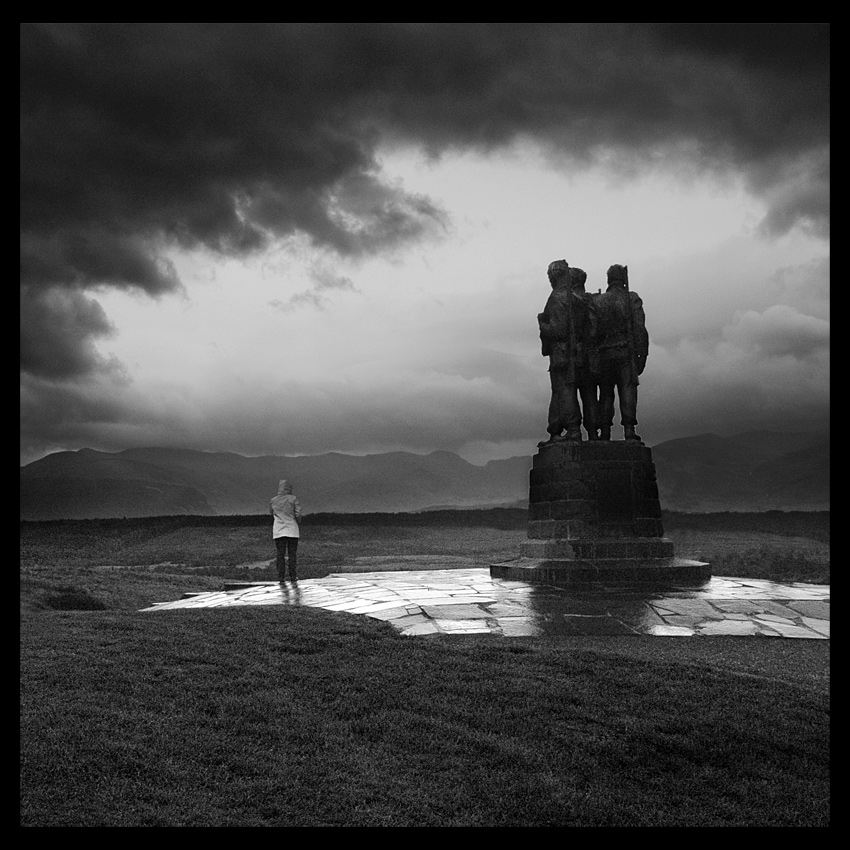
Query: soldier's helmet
[
  {"x": 578, "y": 277},
  {"x": 616, "y": 274}
]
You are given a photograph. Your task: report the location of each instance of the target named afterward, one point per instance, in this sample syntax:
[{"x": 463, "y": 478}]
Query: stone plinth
[{"x": 594, "y": 517}]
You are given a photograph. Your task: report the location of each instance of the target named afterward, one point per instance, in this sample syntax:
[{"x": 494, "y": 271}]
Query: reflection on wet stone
[
  {"x": 638, "y": 615},
  {"x": 729, "y": 627},
  {"x": 519, "y": 627},
  {"x": 544, "y": 603},
  {"x": 586, "y": 625},
  {"x": 467, "y": 601},
  {"x": 672, "y": 631},
  {"x": 455, "y": 612}
]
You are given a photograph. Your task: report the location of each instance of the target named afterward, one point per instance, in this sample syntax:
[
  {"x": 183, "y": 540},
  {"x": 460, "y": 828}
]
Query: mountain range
[{"x": 755, "y": 471}]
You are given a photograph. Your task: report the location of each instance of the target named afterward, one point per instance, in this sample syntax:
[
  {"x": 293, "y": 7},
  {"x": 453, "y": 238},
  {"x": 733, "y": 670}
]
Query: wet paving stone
[
  {"x": 592, "y": 625},
  {"x": 728, "y": 627},
  {"x": 670, "y": 631},
  {"x": 811, "y": 609},
  {"x": 687, "y": 607},
  {"x": 389, "y": 614},
  {"x": 771, "y": 607},
  {"x": 794, "y": 631},
  {"x": 423, "y": 628},
  {"x": 467, "y": 627},
  {"x": 470, "y": 601},
  {"x": 638, "y": 616},
  {"x": 507, "y": 610},
  {"x": 821, "y": 626},
  {"x": 733, "y": 606},
  {"x": 456, "y": 612},
  {"x": 519, "y": 626}
]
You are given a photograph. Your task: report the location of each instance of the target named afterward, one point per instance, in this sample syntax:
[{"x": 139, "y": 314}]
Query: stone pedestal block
[{"x": 594, "y": 516}]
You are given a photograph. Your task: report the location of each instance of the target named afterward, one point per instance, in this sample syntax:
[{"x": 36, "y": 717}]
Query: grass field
[
  {"x": 295, "y": 716},
  {"x": 131, "y": 564}
]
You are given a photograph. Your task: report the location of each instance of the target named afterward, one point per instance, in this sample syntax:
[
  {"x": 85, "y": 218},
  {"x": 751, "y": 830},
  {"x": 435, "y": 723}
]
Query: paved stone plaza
[{"x": 468, "y": 601}]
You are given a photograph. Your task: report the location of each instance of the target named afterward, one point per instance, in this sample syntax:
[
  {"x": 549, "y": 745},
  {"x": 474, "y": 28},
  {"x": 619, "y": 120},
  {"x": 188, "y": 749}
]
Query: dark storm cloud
[
  {"x": 227, "y": 136},
  {"x": 58, "y": 328}
]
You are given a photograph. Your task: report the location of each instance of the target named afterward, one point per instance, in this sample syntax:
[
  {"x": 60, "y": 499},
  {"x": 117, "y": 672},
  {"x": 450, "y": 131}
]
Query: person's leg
[
  {"x": 555, "y": 425},
  {"x": 280, "y": 545},
  {"x": 564, "y": 412},
  {"x": 627, "y": 397},
  {"x": 628, "y": 405},
  {"x": 606, "y": 378},
  {"x": 570, "y": 411},
  {"x": 606, "y": 410},
  {"x": 293, "y": 558},
  {"x": 589, "y": 404}
]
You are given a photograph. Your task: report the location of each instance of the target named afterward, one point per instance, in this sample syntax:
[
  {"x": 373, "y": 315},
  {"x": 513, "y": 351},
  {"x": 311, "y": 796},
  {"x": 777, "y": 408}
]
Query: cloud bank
[{"x": 230, "y": 138}]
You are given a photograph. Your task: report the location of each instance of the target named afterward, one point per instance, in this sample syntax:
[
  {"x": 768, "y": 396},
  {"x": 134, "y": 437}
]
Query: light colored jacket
[{"x": 286, "y": 511}]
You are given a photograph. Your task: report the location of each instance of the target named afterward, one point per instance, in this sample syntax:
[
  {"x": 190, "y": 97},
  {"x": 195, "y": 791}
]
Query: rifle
[
  {"x": 630, "y": 321},
  {"x": 571, "y": 371}
]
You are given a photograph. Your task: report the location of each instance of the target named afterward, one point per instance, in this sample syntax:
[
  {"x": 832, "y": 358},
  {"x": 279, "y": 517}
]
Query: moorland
[{"x": 294, "y": 716}]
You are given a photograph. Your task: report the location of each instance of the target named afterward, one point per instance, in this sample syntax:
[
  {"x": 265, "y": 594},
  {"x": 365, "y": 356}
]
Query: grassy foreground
[{"x": 299, "y": 717}]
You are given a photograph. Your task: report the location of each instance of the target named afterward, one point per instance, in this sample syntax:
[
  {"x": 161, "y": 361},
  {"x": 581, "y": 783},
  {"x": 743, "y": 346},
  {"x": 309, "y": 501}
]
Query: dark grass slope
[{"x": 298, "y": 717}]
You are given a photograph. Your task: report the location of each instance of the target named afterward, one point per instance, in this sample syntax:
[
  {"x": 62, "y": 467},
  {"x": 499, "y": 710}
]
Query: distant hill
[
  {"x": 755, "y": 471},
  {"x": 749, "y": 472},
  {"x": 88, "y": 484}
]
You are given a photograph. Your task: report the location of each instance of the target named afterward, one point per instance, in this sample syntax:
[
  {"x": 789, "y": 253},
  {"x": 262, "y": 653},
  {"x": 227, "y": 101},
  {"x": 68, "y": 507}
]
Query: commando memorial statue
[{"x": 594, "y": 512}]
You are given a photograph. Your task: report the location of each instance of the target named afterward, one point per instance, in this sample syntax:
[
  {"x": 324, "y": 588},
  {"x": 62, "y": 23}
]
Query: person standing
[
  {"x": 564, "y": 331},
  {"x": 621, "y": 346},
  {"x": 286, "y": 511}
]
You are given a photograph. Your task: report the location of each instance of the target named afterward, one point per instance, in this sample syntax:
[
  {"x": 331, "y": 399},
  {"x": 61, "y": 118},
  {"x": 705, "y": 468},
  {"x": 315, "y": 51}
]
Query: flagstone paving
[{"x": 469, "y": 601}]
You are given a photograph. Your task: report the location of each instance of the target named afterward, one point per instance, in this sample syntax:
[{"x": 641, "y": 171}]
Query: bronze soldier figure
[
  {"x": 620, "y": 349},
  {"x": 564, "y": 332}
]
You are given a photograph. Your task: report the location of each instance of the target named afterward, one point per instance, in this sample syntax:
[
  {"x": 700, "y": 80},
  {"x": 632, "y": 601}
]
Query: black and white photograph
[{"x": 425, "y": 424}]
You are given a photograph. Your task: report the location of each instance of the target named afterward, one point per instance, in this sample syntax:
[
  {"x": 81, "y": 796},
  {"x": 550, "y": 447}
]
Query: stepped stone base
[
  {"x": 595, "y": 517},
  {"x": 608, "y": 572}
]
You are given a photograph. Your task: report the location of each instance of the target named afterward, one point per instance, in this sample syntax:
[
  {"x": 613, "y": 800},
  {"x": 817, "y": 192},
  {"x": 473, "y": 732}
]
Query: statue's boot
[
  {"x": 554, "y": 438},
  {"x": 593, "y": 435},
  {"x": 629, "y": 432},
  {"x": 574, "y": 436},
  {"x": 605, "y": 433}
]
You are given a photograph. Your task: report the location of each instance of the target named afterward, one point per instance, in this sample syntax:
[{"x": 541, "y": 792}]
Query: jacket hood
[{"x": 283, "y": 487}]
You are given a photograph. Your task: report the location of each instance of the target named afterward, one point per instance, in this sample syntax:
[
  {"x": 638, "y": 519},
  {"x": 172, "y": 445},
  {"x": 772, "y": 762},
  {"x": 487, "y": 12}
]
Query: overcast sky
[{"x": 299, "y": 238}]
